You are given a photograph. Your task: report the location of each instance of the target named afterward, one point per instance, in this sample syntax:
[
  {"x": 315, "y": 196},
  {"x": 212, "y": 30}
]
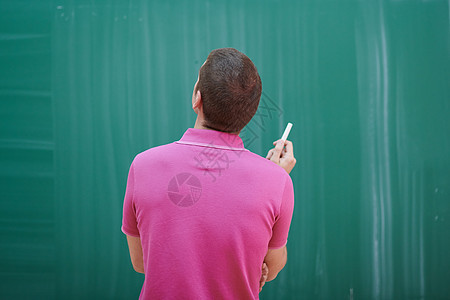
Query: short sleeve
[
  {"x": 129, "y": 223},
  {"x": 280, "y": 229}
]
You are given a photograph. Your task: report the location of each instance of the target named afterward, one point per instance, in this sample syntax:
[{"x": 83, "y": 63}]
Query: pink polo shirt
[{"x": 206, "y": 210}]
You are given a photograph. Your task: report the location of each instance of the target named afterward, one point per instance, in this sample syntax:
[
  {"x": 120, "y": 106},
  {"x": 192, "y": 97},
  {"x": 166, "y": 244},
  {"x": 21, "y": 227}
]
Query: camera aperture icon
[{"x": 184, "y": 189}]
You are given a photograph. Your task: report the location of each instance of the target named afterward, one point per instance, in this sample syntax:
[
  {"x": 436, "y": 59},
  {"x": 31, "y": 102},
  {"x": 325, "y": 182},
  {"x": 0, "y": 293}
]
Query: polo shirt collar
[{"x": 212, "y": 138}]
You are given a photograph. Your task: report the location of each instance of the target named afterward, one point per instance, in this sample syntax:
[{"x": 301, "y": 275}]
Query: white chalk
[{"x": 286, "y": 132}]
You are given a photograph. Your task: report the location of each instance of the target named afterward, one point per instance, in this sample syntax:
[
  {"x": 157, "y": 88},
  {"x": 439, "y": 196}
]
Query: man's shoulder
[
  {"x": 159, "y": 148},
  {"x": 153, "y": 152},
  {"x": 262, "y": 164}
]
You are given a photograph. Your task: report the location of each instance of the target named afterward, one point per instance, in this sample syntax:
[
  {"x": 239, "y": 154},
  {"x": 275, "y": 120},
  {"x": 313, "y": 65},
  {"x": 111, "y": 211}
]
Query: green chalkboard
[{"x": 86, "y": 85}]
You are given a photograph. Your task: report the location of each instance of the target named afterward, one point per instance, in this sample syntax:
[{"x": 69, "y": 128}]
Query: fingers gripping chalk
[
  {"x": 283, "y": 153},
  {"x": 286, "y": 132}
]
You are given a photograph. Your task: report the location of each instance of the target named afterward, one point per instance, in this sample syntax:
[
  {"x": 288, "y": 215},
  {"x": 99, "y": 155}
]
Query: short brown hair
[{"x": 230, "y": 88}]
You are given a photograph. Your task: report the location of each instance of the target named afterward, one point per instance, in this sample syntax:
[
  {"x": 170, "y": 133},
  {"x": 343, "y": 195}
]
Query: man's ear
[{"x": 197, "y": 103}]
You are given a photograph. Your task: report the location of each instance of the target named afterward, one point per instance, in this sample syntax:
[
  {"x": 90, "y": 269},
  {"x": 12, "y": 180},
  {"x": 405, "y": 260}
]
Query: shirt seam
[
  {"x": 211, "y": 146},
  {"x": 279, "y": 209},
  {"x": 282, "y": 194},
  {"x": 133, "y": 196}
]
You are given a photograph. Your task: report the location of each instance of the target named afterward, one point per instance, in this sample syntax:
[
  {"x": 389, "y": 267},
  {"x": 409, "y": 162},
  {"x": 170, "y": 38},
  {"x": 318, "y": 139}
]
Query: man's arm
[
  {"x": 134, "y": 245},
  {"x": 275, "y": 260},
  {"x": 282, "y": 155}
]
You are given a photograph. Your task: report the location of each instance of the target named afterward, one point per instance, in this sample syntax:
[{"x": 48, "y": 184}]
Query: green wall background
[{"x": 86, "y": 85}]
